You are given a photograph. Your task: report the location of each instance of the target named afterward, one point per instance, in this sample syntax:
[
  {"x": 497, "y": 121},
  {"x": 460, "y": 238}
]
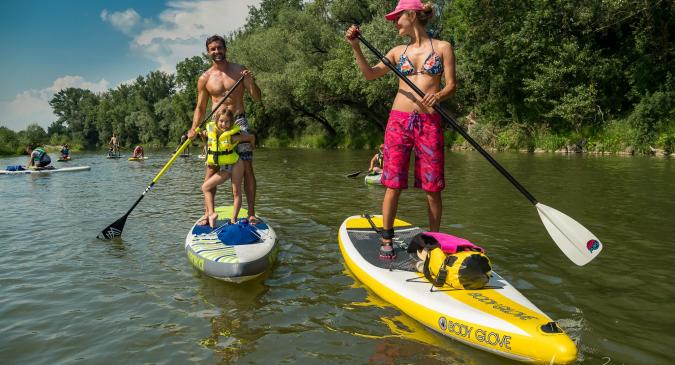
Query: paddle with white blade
[{"x": 575, "y": 241}]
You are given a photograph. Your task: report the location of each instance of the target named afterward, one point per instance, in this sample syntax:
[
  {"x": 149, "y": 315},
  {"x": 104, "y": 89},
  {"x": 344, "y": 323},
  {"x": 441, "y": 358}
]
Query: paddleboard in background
[
  {"x": 45, "y": 171},
  {"x": 114, "y": 156},
  {"x": 184, "y": 155},
  {"x": 497, "y": 318},
  {"x": 202, "y": 157},
  {"x": 232, "y": 252},
  {"x": 64, "y": 159},
  {"x": 374, "y": 179},
  {"x": 138, "y": 158}
]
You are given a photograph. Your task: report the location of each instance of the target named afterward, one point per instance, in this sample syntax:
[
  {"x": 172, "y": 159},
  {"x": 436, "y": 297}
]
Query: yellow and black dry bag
[{"x": 469, "y": 269}]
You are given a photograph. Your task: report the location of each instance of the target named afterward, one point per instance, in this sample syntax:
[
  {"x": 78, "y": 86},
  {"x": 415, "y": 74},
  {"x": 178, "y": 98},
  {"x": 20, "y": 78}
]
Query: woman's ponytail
[{"x": 426, "y": 14}]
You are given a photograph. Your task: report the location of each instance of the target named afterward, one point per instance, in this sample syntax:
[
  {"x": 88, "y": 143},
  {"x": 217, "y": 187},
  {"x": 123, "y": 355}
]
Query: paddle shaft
[
  {"x": 181, "y": 148},
  {"x": 452, "y": 122}
]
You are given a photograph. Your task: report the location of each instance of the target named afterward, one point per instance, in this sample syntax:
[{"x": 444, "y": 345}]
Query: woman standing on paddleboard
[{"x": 412, "y": 123}]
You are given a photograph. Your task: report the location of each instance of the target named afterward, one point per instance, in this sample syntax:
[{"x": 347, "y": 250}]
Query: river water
[{"x": 67, "y": 297}]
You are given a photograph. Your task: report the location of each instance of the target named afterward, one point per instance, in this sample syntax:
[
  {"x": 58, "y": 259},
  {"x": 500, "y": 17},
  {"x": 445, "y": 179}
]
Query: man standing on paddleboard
[{"x": 215, "y": 83}]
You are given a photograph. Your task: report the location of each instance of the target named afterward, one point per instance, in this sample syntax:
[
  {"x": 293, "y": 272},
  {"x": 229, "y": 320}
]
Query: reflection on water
[
  {"x": 399, "y": 338},
  {"x": 230, "y": 304},
  {"x": 67, "y": 297}
]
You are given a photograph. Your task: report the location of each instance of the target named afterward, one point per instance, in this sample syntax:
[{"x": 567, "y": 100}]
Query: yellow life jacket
[{"x": 220, "y": 148}]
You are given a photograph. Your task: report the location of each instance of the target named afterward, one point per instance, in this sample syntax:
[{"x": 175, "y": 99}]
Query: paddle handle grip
[{"x": 437, "y": 107}]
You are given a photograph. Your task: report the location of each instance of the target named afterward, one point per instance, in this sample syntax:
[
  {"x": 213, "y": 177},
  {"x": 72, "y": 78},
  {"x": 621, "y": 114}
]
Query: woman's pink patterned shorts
[{"x": 424, "y": 133}]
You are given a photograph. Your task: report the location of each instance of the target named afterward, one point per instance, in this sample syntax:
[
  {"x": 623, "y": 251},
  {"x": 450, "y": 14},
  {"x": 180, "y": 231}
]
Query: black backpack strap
[
  {"x": 426, "y": 271},
  {"x": 442, "y": 273}
]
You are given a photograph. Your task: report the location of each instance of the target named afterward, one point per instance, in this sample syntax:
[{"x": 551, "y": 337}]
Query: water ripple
[{"x": 67, "y": 297}]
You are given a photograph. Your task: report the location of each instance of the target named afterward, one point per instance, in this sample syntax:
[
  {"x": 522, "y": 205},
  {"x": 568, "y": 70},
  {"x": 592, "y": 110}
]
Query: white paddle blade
[{"x": 575, "y": 241}]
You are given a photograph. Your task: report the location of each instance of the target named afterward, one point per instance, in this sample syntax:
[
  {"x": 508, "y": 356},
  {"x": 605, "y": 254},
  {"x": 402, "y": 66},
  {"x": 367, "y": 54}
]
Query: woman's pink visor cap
[{"x": 404, "y": 5}]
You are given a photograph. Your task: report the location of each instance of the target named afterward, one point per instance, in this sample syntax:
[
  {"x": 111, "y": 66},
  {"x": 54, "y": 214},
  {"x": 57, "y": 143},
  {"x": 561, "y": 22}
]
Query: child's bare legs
[
  {"x": 209, "y": 188},
  {"x": 209, "y": 171},
  {"x": 237, "y": 177}
]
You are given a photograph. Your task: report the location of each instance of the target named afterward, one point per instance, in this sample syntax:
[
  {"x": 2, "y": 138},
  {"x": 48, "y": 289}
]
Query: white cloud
[
  {"x": 78, "y": 82},
  {"x": 122, "y": 20},
  {"x": 179, "y": 31},
  {"x": 175, "y": 34},
  {"x": 32, "y": 106}
]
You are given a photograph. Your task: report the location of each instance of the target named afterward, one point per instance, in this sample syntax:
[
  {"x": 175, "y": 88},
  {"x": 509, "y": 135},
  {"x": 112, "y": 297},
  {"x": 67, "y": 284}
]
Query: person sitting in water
[
  {"x": 138, "y": 152},
  {"x": 377, "y": 162},
  {"x": 65, "y": 152},
  {"x": 223, "y": 161},
  {"x": 39, "y": 159}
]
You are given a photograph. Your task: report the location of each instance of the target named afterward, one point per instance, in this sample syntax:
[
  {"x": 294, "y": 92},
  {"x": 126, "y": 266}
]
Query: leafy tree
[
  {"x": 36, "y": 134},
  {"x": 265, "y": 14},
  {"x": 57, "y": 127},
  {"x": 9, "y": 142},
  {"x": 188, "y": 71},
  {"x": 76, "y": 109},
  {"x": 547, "y": 70}
]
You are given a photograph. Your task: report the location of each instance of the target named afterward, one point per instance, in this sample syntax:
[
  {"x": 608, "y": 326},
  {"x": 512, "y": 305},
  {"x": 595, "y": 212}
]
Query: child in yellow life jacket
[{"x": 222, "y": 138}]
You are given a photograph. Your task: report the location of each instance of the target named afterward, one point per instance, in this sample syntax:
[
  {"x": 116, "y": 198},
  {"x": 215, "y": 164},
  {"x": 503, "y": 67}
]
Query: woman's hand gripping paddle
[
  {"x": 115, "y": 229},
  {"x": 575, "y": 241}
]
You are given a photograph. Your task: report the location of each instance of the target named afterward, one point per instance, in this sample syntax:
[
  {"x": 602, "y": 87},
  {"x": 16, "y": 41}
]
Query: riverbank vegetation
[{"x": 535, "y": 75}]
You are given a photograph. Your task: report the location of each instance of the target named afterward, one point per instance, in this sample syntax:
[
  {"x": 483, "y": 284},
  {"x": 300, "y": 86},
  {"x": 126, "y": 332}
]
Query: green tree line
[{"x": 532, "y": 74}]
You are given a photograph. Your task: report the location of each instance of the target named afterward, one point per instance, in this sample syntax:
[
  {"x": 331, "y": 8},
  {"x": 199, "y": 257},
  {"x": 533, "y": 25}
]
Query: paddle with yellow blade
[
  {"x": 575, "y": 241},
  {"x": 115, "y": 229}
]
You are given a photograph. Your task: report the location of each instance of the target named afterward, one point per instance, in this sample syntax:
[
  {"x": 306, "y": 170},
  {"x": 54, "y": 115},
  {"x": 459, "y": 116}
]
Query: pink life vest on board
[{"x": 452, "y": 244}]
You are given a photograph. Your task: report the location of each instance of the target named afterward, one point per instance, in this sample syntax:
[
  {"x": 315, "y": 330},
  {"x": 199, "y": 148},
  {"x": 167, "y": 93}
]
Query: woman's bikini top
[{"x": 432, "y": 65}]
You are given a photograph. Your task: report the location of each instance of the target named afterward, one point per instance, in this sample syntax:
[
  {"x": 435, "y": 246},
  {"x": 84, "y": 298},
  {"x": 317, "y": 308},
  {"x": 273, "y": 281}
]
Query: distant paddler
[
  {"x": 377, "y": 162},
  {"x": 39, "y": 159},
  {"x": 186, "y": 150},
  {"x": 138, "y": 152},
  {"x": 65, "y": 152},
  {"x": 114, "y": 144}
]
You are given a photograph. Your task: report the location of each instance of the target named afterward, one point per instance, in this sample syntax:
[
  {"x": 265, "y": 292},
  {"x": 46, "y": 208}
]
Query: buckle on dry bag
[{"x": 439, "y": 280}]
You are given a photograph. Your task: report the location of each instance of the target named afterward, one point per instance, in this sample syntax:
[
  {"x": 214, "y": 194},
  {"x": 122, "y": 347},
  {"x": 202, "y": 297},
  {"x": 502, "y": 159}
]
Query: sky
[{"x": 50, "y": 45}]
